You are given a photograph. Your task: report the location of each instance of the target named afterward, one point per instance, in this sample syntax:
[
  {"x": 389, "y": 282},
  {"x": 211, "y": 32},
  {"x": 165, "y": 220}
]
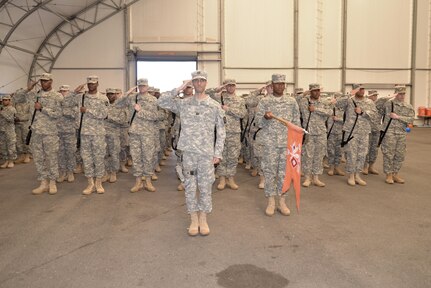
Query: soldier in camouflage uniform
[
  {"x": 360, "y": 112},
  {"x": 314, "y": 113},
  {"x": 200, "y": 117},
  {"x": 334, "y": 138},
  {"x": 394, "y": 141},
  {"x": 117, "y": 117},
  {"x": 176, "y": 132},
  {"x": 7, "y": 132},
  {"x": 374, "y": 139},
  {"x": 143, "y": 134},
  {"x": 22, "y": 121},
  {"x": 274, "y": 140},
  {"x": 44, "y": 141},
  {"x": 234, "y": 108},
  {"x": 253, "y": 134},
  {"x": 124, "y": 137},
  {"x": 67, "y": 135},
  {"x": 93, "y": 145}
]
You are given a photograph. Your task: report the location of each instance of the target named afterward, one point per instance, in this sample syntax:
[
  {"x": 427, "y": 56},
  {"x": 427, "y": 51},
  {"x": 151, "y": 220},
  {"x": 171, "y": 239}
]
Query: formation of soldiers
[{"x": 100, "y": 134}]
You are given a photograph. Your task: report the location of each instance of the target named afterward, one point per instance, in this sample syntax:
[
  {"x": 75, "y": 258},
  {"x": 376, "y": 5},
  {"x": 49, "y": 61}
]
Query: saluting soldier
[{"x": 7, "y": 132}]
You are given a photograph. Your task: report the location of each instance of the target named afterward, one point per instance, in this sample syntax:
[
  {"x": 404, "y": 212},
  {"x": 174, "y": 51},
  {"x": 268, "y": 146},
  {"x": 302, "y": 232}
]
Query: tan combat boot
[
  {"x": 307, "y": 181},
  {"x": 10, "y": 164},
  {"x": 113, "y": 177},
  {"x": 194, "y": 225},
  {"x": 240, "y": 160},
  {"x": 149, "y": 186},
  {"x": 254, "y": 172},
  {"x": 4, "y": 165},
  {"x": 389, "y": 178},
  {"x": 180, "y": 187},
  {"x": 222, "y": 183},
  {"x": 78, "y": 169},
  {"x": 20, "y": 159},
  {"x": 154, "y": 177},
  {"x": 338, "y": 171},
  {"x": 359, "y": 180},
  {"x": 158, "y": 169},
  {"x": 270, "y": 207},
  {"x": 61, "y": 177},
  {"x": 90, "y": 187},
  {"x": 99, "y": 187},
  {"x": 138, "y": 185},
  {"x": 317, "y": 182},
  {"x": 52, "y": 189},
  {"x": 247, "y": 166},
  {"x": 261, "y": 182},
  {"x": 398, "y": 179},
  {"x": 163, "y": 162},
  {"x": 373, "y": 170},
  {"x": 129, "y": 162},
  {"x": 204, "y": 230},
  {"x": 351, "y": 180},
  {"x": 282, "y": 207},
  {"x": 365, "y": 169},
  {"x": 123, "y": 167},
  {"x": 331, "y": 170},
  {"x": 70, "y": 177},
  {"x": 231, "y": 183},
  {"x": 105, "y": 177},
  {"x": 26, "y": 158},
  {"x": 44, "y": 187}
]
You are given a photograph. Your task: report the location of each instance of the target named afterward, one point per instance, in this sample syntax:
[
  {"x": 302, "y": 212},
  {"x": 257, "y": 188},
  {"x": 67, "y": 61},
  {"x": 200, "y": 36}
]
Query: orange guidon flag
[{"x": 293, "y": 160}]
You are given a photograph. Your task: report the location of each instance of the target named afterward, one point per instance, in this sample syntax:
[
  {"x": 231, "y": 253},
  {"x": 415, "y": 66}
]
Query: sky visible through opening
[{"x": 165, "y": 75}]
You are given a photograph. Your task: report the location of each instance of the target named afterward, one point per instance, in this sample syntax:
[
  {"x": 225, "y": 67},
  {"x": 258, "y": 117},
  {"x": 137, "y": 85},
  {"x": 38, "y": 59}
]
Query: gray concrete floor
[{"x": 374, "y": 236}]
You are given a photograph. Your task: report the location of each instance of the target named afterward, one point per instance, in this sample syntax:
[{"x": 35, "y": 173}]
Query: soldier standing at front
[
  {"x": 7, "y": 132},
  {"x": 274, "y": 140},
  {"x": 394, "y": 141},
  {"x": 67, "y": 135},
  {"x": 360, "y": 111},
  {"x": 234, "y": 108},
  {"x": 94, "y": 107},
  {"x": 314, "y": 113},
  {"x": 200, "y": 117},
  {"x": 44, "y": 141}
]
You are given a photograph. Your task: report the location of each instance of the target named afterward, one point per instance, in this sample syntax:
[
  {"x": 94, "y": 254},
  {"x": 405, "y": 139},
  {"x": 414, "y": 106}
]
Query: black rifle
[
  {"x": 78, "y": 138},
  {"x": 308, "y": 121},
  {"x": 332, "y": 126},
  {"x": 383, "y": 133},
  {"x": 343, "y": 143},
  {"x": 28, "y": 137},
  {"x": 134, "y": 111}
]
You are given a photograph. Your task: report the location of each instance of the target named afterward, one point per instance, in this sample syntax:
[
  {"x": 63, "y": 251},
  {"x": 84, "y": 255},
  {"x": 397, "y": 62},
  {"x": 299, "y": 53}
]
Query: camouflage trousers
[
  {"x": 124, "y": 144},
  {"x": 256, "y": 156},
  {"x": 313, "y": 152},
  {"x": 162, "y": 146},
  {"x": 112, "y": 156},
  {"x": 373, "y": 150},
  {"x": 274, "y": 169},
  {"x": 66, "y": 152},
  {"x": 394, "y": 152},
  {"x": 231, "y": 150},
  {"x": 198, "y": 173},
  {"x": 21, "y": 130},
  {"x": 93, "y": 149},
  {"x": 45, "y": 155},
  {"x": 142, "y": 149},
  {"x": 8, "y": 144},
  {"x": 356, "y": 152},
  {"x": 246, "y": 150},
  {"x": 334, "y": 149}
]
